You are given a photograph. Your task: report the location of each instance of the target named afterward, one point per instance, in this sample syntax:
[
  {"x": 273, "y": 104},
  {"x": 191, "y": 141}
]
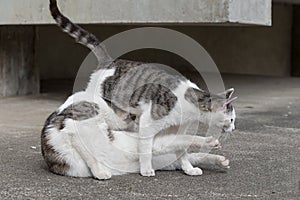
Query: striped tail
[{"x": 81, "y": 35}]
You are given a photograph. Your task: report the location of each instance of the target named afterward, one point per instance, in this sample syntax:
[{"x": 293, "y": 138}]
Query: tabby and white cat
[
  {"x": 159, "y": 100},
  {"x": 77, "y": 141}
]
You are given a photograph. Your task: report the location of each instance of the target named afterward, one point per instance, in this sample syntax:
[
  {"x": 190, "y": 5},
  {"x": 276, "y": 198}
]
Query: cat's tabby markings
[{"x": 158, "y": 100}]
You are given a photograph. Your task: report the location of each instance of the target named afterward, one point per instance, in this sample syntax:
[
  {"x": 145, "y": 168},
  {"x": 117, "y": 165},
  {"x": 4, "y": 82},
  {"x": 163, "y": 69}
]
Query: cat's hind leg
[
  {"x": 97, "y": 169},
  {"x": 186, "y": 165},
  {"x": 168, "y": 144},
  {"x": 198, "y": 159},
  {"x": 182, "y": 155},
  {"x": 82, "y": 130},
  {"x": 173, "y": 143}
]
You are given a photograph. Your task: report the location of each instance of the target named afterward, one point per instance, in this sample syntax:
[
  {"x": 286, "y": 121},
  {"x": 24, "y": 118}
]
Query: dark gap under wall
[
  {"x": 243, "y": 50},
  {"x": 18, "y": 73},
  {"x": 296, "y": 42}
]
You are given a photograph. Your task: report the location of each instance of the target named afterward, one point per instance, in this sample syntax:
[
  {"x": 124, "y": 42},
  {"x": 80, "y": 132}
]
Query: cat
[
  {"x": 158, "y": 99},
  {"x": 77, "y": 141}
]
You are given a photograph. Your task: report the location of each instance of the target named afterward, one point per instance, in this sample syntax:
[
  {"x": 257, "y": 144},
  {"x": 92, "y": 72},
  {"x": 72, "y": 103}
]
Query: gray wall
[
  {"x": 32, "y": 12},
  {"x": 239, "y": 50}
]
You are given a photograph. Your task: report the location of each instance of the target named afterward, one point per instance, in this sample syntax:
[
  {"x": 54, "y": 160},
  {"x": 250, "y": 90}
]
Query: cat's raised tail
[{"x": 81, "y": 35}]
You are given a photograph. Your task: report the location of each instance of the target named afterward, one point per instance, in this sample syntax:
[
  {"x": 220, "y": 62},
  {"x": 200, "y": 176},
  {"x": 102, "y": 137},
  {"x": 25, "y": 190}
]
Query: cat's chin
[
  {"x": 223, "y": 130},
  {"x": 228, "y": 131}
]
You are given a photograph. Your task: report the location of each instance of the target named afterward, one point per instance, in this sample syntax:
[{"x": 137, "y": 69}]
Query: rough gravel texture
[{"x": 264, "y": 152}]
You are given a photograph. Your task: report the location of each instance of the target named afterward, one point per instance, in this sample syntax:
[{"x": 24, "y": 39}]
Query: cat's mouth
[{"x": 227, "y": 130}]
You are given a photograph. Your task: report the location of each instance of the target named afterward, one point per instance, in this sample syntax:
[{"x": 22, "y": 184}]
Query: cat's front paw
[
  {"x": 103, "y": 175},
  {"x": 223, "y": 162},
  {"x": 212, "y": 142},
  {"x": 194, "y": 171},
  {"x": 148, "y": 172}
]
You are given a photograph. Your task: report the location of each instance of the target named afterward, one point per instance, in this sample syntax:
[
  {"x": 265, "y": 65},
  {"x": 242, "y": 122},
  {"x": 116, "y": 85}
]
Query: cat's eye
[
  {"x": 133, "y": 117},
  {"x": 231, "y": 120}
]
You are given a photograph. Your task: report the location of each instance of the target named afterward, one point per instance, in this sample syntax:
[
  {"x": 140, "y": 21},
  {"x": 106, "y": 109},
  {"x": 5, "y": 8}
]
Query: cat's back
[
  {"x": 133, "y": 82},
  {"x": 56, "y": 138},
  {"x": 135, "y": 74},
  {"x": 83, "y": 119}
]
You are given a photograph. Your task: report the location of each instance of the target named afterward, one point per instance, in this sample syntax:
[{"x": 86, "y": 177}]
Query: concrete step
[{"x": 140, "y": 11}]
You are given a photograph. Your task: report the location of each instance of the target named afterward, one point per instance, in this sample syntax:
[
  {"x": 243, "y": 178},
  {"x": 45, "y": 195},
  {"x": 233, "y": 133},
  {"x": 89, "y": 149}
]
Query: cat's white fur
[
  {"x": 183, "y": 114},
  {"x": 87, "y": 150}
]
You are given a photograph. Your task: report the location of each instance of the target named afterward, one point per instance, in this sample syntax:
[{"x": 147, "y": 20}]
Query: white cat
[{"x": 77, "y": 141}]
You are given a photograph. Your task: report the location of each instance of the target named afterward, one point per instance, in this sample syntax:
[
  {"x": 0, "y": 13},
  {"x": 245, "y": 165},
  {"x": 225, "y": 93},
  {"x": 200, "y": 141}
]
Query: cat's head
[
  {"x": 221, "y": 103},
  {"x": 229, "y": 110},
  {"x": 230, "y": 117}
]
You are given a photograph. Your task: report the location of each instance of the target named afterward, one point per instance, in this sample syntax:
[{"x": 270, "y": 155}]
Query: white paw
[
  {"x": 223, "y": 162},
  {"x": 102, "y": 175},
  {"x": 194, "y": 171},
  {"x": 212, "y": 142},
  {"x": 148, "y": 172}
]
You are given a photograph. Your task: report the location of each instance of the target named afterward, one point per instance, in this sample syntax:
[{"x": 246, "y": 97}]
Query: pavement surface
[{"x": 264, "y": 152}]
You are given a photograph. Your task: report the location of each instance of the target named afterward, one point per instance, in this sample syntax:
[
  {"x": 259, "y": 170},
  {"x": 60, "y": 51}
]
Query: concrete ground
[{"x": 264, "y": 152}]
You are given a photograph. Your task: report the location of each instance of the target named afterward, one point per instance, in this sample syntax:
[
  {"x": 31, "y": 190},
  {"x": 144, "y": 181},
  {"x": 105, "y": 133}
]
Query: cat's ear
[
  {"x": 228, "y": 93},
  {"x": 229, "y": 101}
]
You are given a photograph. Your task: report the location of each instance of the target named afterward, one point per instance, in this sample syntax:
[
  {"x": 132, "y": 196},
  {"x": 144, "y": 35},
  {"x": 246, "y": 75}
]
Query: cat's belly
[{"x": 117, "y": 152}]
